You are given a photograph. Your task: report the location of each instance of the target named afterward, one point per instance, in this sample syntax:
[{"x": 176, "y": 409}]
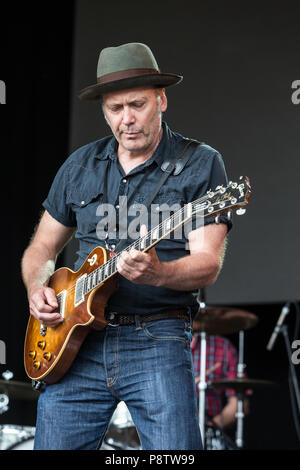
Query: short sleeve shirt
[{"x": 91, "y": 191}]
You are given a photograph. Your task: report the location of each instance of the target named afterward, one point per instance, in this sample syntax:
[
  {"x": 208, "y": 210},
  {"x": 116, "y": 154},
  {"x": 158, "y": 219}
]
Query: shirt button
[
  {"x": 82, "y": 202},
  {"x": 117, "y": 206},
  {"x": 124, "y": 180}
]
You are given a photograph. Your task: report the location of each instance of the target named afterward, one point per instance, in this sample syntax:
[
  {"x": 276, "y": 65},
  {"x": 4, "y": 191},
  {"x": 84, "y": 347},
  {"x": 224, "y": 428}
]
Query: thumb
[
  {"x": 143, "y": 230},
  {"x": 51, "y": 297}
]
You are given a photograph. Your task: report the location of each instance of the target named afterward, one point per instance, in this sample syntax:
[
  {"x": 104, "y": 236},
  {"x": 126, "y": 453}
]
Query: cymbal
[
  {"x": 240, "y": 384},
  {"x": 18, "y": 390},
  {"x": 223, "y": 320}
]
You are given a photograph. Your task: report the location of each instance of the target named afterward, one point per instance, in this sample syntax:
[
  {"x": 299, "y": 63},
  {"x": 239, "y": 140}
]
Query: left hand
[{"x": 141, "y": 268}]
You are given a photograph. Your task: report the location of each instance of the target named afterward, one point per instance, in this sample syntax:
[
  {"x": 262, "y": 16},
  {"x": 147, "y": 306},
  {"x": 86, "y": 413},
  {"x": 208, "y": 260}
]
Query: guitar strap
[{"x": 172, "y": 165}]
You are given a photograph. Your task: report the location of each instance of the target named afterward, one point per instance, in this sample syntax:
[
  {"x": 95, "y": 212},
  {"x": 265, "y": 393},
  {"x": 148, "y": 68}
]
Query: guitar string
[
  {"x": 111, "y": 261},
  {"x": 137, "y": 242}
]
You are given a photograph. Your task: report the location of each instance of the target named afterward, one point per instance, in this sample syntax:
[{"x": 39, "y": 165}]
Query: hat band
[{"x": 114, "y": 76}]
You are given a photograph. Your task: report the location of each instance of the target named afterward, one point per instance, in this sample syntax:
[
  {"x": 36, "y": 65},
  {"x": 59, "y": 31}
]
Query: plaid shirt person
[{"x": 221, "y": 363}]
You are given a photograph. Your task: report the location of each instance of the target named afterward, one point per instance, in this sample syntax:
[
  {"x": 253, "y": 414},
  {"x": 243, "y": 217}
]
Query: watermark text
[{"x": 2, "y": 92}]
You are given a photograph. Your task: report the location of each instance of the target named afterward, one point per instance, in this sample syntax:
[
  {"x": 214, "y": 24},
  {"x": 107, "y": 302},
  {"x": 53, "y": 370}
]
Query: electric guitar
[{"x": 83, "y": 295}]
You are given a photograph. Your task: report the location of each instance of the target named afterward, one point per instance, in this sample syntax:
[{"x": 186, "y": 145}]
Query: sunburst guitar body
[{"x": 49, "y": 352}]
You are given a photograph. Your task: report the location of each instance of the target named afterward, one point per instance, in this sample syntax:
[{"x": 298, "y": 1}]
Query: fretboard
[
  {"x": 145, "y": 243},
  {"x": 212, "y": 204}
]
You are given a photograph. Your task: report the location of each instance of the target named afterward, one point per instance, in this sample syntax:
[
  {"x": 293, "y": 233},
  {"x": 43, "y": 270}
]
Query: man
[{"x": 143, "y": 356}]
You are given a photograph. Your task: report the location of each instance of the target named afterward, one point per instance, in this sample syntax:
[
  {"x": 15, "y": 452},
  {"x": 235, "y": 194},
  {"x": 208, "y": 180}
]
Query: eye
[
  {"x": 115, "y": 108},
  {"x": 138, "y": 104}
]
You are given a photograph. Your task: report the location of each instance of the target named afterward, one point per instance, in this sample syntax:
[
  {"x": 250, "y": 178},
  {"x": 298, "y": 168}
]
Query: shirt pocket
[{"x": 84, "y": 204}]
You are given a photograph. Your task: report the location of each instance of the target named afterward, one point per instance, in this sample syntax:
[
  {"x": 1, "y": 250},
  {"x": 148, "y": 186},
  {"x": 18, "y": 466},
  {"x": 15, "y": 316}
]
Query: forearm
[
  {"x": 227, "y": 416},
  {"x": 190, "y": 272},
  {"x": 37, "y": 265}
]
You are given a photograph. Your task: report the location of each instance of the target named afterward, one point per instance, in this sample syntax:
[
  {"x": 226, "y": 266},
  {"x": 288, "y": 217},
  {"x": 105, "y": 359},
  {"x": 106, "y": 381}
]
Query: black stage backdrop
[
  {"x": 36, "y": 56},
  {"x": 239, "y": 63}
]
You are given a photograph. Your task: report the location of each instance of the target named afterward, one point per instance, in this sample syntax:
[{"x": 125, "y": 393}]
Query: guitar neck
[
  {"x": 143, "y": 244},
  {"x": 212, "y": 204}
]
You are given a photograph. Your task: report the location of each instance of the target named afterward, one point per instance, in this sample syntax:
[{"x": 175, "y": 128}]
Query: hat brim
[{"x": 158, "y": 80}]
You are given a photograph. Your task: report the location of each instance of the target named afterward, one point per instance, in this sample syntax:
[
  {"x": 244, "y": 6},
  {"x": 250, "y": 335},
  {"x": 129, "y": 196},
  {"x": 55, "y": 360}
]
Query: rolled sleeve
[{"x": 56, "y": 201}]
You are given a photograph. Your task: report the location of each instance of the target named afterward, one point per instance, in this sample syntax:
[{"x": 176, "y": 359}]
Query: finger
[
  {"x": 40, "y": 302},
  {"x": 127, "y": 259},
  {"x": 137, "y": 256},
  {"x": 123, "y": 268},
  {"x": 143, "y": 230},
  {"x": 47, "y": 319},
  {"x": 41, "y": 306},
  {"x": 51, "y": 297}
]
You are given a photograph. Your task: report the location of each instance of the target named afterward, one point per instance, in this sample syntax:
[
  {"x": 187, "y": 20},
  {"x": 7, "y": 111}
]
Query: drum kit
[
  {"x": 15, "y": 437},
  {"x": 223, "y": 321},
  {"x": 122, "y": 434}
]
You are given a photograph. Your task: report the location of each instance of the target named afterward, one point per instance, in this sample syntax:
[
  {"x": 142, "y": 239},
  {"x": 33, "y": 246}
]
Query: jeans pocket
[{"x": 169, "y": 329}]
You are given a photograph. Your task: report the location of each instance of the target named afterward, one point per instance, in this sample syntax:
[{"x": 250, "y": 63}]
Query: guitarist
[{"x": 143, "y": 356}]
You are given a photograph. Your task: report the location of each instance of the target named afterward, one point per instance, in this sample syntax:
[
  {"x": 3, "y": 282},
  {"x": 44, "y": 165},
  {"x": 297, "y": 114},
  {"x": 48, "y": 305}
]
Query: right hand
[{"x": 42, "y": 306}]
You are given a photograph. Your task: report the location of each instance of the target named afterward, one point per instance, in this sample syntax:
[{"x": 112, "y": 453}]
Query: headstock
[{"x": 225, "y": 199}]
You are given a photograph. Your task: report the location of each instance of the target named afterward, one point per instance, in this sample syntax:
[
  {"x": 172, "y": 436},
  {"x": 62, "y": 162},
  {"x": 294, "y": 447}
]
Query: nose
[{"x": 128, "y": 116}]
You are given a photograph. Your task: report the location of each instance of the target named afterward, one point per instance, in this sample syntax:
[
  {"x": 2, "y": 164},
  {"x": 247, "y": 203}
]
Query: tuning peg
[
  {"x": 217, "y": 219},
  {"x": 241, "y": 211}
]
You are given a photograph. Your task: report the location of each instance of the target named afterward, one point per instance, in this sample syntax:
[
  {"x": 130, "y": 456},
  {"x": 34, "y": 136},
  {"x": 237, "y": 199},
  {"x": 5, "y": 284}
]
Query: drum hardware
[
  {"x": 240, "y": 385},
  {"x": 121, "y": 433},
  {"x": 18, "y": 390},
  {"x": 4, "y": 401},
  {"x": 13, "y": 437},
  {"x": 202, "y": 382},
  {"x": 240, "y": 396},
  {"x": 217, "y": 439},
  {"x": 220, "y": 321},
  {"x": 223, "y": 320}
]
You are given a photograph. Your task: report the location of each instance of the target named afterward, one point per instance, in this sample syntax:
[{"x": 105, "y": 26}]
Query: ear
[{"x": 163, "y": 100}]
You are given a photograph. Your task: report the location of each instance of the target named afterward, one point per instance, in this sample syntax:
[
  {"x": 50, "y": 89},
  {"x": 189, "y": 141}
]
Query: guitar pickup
[
  {"x": 61, "y": 300},
  {"x": 79, "y": 290}
]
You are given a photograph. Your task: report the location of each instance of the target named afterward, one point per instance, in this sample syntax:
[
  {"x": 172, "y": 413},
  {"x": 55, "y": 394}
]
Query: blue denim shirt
[{"x": 77, "y": 193}]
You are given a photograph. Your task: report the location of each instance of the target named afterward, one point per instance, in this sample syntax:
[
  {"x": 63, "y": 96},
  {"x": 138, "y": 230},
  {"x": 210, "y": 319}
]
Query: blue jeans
[{"x": 148, "y": 366}]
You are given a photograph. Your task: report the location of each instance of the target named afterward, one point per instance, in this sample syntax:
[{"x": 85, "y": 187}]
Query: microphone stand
[{"x": 284, "y": 331}]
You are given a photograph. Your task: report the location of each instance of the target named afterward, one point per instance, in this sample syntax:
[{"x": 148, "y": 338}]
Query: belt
[{"x": 116, "y": 319}]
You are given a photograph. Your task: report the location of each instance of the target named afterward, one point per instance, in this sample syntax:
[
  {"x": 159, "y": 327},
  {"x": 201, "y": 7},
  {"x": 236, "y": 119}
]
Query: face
[{"x": 134, "y": 117}]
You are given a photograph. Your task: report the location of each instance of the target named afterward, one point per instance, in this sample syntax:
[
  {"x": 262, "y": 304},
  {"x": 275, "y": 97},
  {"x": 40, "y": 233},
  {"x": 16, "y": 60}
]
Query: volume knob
[
  {"x": 32, "y": 354},
  {"x": 41, "y": 345},
  {"x": 47, "y": 356},
  {"x": 37, "y": 364}
]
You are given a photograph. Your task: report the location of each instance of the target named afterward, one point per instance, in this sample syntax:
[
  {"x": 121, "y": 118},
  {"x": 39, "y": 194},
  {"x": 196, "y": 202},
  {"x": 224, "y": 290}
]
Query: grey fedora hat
[{"x": 127, "y": 66}]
